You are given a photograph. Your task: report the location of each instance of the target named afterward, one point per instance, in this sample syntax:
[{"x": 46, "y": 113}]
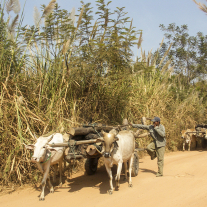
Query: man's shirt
[{"x": 157, "y": 133}]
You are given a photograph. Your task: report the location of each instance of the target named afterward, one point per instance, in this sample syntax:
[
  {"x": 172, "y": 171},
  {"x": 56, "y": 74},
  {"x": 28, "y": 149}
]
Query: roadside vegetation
[{"x": 68, "y": 68}]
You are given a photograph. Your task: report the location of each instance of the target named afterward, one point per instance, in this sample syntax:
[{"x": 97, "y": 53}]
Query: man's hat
[{"x": 155, "y": 119}]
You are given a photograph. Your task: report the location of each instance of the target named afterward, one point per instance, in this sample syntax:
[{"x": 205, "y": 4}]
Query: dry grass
[
  {"x": 201, "y": 6},
  {"x": 53, "y": 84}
]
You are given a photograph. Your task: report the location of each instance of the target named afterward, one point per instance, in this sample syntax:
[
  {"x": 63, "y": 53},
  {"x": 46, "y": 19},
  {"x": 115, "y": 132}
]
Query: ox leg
[
  {"x": 45, "y": 176},
  {"x": 64, "y": 164},
  {"x": 117, "y": 178},
  {"x": 125, "y": 170},
  {"x": 50, "y": 185},
  {"x": 189, "y": 145},
  {"x": 183, "y": 146},
  {"x": 60, "y": 170},
  {"x": 130, "y": 170},
  {"x": 55, "y": 173},
  {"x": 108, "y": 169}
]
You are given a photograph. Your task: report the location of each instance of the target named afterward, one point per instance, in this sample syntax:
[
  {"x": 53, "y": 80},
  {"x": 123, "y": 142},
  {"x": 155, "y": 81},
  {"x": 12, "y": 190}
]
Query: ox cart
[
  {"x": 200, "y": 133},
  {"x": 83, "y": 142}
]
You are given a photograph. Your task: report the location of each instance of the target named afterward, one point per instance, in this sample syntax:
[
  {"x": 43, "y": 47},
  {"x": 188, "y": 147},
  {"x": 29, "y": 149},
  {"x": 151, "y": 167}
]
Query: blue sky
[{"x": 147, "y": 15}]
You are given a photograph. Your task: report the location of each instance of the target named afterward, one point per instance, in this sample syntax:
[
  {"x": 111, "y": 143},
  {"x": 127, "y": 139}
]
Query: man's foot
[{"x": 159, "y": 175}]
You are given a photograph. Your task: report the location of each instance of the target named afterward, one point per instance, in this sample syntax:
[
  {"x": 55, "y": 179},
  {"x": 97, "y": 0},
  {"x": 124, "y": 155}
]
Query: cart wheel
[
  {"x": 91, "y": 165},
  {"x": 135, "y": 165},
  {"x": 204, "y": 143}
]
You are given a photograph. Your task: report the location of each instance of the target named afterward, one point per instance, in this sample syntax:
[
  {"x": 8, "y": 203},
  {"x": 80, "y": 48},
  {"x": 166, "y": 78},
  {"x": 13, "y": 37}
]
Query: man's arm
[
  {"x": 160, "y": 130},
  {"x": 140, "y": 126}
]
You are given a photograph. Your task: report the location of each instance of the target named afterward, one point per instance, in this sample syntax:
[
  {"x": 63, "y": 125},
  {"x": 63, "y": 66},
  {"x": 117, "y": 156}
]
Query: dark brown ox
[{"x": 118, "y": 149}]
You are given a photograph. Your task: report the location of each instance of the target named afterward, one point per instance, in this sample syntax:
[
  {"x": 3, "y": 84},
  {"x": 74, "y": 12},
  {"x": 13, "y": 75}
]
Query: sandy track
[{"x": 184, "y": 184}]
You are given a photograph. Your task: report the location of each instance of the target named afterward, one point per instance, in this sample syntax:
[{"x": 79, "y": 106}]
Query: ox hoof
[
  {"x": 110, "y": 192},
  {"x": 41, "y": 199},
  {"x": 52, "y": 191},
  {"x": 117, "y": 188},
  {"x": 117, "y": 184},
  {"x": 130, "y": 185}
]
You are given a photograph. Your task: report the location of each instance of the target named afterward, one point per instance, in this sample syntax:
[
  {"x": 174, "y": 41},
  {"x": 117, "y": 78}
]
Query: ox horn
[
  {"x": 50, "y": 138},
  {"x": 34, "y": 135}
]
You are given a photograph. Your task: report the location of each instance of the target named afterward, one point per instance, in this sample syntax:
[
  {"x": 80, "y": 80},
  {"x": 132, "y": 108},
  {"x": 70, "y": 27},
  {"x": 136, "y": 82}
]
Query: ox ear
[
  {"x": 52, "y": 149},
  {"x": 29, "y": 146},
  {"x": 34, "y": 135}
]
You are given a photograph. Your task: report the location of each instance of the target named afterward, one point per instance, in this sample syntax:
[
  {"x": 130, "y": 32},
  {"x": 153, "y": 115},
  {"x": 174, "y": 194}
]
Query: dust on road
[{"x": 184, "y": 184}]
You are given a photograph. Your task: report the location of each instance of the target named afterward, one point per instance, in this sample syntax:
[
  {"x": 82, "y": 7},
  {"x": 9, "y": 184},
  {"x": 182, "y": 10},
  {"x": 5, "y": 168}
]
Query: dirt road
[{"x": 184, "y": 184}]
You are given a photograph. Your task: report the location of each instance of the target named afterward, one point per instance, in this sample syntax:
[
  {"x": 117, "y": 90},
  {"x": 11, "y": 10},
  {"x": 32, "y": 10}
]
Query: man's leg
[
  {"x": 160, "y": 160},
  {"x": 151, "y": 150}
]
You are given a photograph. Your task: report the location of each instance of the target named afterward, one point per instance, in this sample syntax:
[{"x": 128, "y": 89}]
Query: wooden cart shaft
[
  {"x": 73, "y": 143},
  {"x": 91, "y": 141}
]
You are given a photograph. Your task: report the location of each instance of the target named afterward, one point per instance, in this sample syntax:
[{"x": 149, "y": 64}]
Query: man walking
[{"x": 157, "y": 147}]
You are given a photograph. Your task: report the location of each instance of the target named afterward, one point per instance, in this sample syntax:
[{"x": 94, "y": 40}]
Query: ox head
[
  {"x": 109, "y": 143},
  {"x": 40, "y": 148},
  {"x": 187, "y": 135},
  {"x": 183, "y": 134}
]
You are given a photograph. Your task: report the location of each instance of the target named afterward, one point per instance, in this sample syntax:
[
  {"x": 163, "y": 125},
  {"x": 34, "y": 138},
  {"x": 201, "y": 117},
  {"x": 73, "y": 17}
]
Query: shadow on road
[
  {"x": 148, "y": 171},
  {"x": 99, "y": 180}
]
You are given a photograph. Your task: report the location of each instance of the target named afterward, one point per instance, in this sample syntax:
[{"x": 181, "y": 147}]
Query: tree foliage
[{"x": 187, "y": 53}]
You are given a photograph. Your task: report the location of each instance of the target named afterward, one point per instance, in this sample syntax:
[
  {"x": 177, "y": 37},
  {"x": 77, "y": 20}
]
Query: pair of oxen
[
  {"x": 190, "y": 138},
  {"x": 118, "y": 148}
]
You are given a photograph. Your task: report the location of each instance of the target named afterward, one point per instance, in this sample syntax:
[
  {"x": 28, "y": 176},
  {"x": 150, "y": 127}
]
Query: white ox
[
  {"x": 118, "y": 149},
  {"x": 45, "y": 156}
]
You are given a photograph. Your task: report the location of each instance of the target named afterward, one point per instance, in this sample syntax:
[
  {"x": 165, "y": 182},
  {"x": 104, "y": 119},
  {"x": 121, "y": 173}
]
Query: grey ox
[
  {"x": 118, "y": 149},
  {"x": 45, "y": 156}
]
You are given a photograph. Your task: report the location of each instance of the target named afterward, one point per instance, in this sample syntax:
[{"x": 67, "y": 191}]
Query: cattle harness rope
[
  {"x": 47, "y": 158},
  {"x": 72, "y": 149}
]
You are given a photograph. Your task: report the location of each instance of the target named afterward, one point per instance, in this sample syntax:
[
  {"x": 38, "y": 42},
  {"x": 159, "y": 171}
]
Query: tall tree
[
  {"x": 201, "y": 58},
  {"x": 184, "y": 49}
]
